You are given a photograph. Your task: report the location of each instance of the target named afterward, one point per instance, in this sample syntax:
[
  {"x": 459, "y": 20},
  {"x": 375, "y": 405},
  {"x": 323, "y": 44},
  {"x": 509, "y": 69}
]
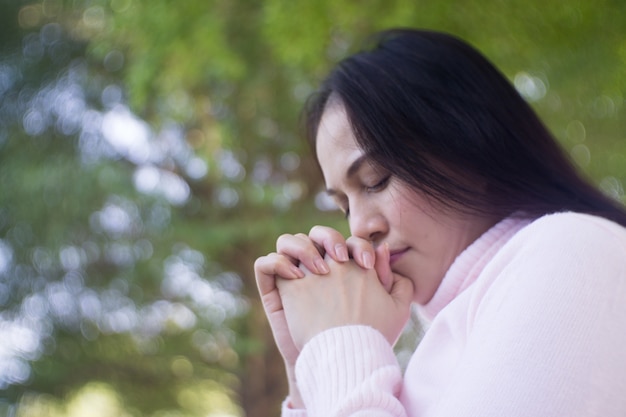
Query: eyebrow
[{"x": 352, "y": 169}]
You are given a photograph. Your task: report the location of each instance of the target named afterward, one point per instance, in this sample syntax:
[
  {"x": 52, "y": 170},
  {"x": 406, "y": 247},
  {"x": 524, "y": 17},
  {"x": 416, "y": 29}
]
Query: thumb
[
  {"x": 401, "y": 290},
  {"x": 382, "y": 267}
]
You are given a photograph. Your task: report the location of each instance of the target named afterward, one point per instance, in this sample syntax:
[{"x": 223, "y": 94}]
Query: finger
[
  {"x": 382, "y": 267},
  {"x": 402, "y": 290},
  {"x": 266, "y": 268},
  {"x": 362, "y": 251},
  {"x": 306, "y": 271},
  {"x": 320, "y": 248},
  {"x": 332, "y": 241},
  {"x": 302, "y": 250},
  {"x": 277, "y": 264}
]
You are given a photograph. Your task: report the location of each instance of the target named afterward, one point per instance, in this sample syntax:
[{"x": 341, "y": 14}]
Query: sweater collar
[{"x": 470, "y": 263}]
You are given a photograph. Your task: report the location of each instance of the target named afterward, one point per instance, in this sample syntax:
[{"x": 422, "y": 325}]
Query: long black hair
[{"x": 430, "y": 109}]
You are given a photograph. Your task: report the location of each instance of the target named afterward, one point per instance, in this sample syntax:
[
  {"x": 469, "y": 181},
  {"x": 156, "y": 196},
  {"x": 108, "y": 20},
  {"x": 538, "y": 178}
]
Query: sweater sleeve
[
  {"x": 349, "y": 371},
  {"x": 547, "y": 336}
]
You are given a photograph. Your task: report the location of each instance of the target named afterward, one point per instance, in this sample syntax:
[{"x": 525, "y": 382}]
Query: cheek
[
  {"x": 408, "y": 202},
  {"x": 407, "y": 216},
  {"x": 399, "y": 207}
]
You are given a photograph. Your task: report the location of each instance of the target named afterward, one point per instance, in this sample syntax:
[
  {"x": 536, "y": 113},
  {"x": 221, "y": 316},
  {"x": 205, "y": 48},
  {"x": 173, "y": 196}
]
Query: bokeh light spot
[
  {"x": 51, "y": 33},
  {"x": 581, "y": 155},
  {"x": 290, "y": 161},
  {"x": 227, "y": 197},
  {"x": 29, "y": 16},
  {"x": 182, "y": 367},
  {"x": 94, "y": 18},
  {"x": 531, "y": 87},
  {"x": 324, "y": 202}
]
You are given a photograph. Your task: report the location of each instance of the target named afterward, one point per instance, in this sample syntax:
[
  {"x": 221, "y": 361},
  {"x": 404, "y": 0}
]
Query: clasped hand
[
  {"x": 319, "y": 281},
  {"x": 347, "y": 294}
]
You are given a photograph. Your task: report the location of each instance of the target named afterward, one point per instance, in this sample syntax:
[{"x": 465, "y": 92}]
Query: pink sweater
[{"x": 529, "y": 321}]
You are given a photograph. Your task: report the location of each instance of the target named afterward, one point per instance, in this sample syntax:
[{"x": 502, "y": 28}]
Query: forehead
[{"x": 335, "y": 143}]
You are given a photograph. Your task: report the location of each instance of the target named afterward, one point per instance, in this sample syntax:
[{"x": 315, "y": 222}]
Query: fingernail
[
  {"x": 342, "y": 252},
  {"x": 368, "y": 260},
  {"x": 321, "y": 266},
  {"x": 297, "y": 271}
]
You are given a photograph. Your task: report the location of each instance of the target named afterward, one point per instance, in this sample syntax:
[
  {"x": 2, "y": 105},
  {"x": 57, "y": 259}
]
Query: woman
[{"x": 460, "y": 201}]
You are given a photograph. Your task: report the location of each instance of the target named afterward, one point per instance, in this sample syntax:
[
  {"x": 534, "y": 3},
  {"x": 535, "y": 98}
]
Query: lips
[{"x": 395, "y": 255}]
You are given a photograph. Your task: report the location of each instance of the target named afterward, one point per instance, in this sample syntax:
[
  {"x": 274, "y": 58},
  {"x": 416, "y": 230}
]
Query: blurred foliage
[{"x": 150, "y": 151}]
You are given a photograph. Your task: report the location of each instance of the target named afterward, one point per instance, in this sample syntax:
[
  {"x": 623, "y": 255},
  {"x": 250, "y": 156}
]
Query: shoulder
[
  {"x": 570, "y": 235},
  {"x": 550, "y": 308},
  {"x": 564, "y": 266},
  {"x": 571, "y": 221},
  {"x": 571, "y": 257}
]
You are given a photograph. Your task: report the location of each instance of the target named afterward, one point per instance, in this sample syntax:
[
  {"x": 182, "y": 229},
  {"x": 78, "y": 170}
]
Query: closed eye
[{"x": 379, "y": 185}]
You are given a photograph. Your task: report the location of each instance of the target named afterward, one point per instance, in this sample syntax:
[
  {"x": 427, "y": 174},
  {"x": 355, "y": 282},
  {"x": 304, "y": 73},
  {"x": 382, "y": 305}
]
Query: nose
[{"x": 368, "y": 223}]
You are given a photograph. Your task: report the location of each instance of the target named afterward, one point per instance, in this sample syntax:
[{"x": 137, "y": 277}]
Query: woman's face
[{"x": 423, "y": 238}]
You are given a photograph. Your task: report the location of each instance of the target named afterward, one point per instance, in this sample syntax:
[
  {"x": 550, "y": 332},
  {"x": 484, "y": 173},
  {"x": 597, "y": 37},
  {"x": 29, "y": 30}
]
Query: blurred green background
[{"x": 150, "y": 152}]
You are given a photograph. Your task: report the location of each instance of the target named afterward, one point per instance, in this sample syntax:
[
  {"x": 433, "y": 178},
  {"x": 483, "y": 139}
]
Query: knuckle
[
  {"x": 262, "y": 261},
  {"x": 315, "y": 229},
  {"x": 320, "y": 230},
  {"x": 270, "y": 257},
  {"x": 326, "y": 236},
  {"x": 359, "y": 242},
  {"x": 282, "y": 238}
]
